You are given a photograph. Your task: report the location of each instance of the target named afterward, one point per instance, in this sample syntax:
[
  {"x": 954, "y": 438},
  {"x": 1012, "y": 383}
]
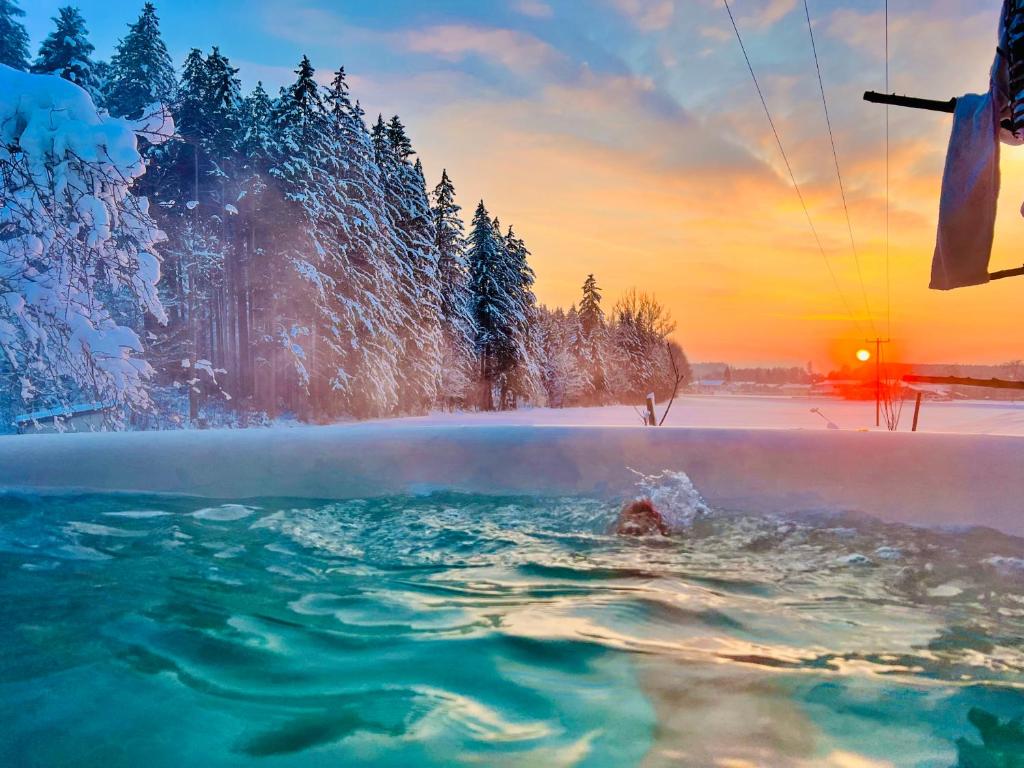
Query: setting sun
[{"x": 863, "y": 355}]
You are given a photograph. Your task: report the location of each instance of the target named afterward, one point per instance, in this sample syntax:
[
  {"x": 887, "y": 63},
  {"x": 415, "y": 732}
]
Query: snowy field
[{"x": 982, "y": 417}]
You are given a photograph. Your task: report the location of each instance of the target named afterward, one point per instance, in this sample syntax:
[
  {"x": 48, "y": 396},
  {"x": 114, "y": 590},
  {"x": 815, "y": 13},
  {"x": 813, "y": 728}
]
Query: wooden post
[
  {"x": 917, "y": 411},
  {"x": 652, "y": 420}
]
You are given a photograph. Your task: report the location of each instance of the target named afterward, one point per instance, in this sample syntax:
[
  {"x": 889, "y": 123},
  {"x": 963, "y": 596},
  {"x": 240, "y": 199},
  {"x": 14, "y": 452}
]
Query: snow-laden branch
[{"x": 74, "y": 242}]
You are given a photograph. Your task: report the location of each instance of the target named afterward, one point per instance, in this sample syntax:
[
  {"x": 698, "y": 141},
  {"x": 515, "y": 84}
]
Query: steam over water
[{"x": 449, "y": 629}]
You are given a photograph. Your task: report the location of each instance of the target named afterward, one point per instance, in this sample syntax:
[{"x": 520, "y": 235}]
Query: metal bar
[
  {"x": 910, "y": 101},
  {"x": 1015, "y": 272},
  {"x": 932, "y": 105},
  {"x": 965, "y": 381}
]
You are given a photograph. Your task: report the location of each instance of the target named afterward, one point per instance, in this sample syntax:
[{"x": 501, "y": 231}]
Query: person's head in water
[{"x": 640, "y": 518}]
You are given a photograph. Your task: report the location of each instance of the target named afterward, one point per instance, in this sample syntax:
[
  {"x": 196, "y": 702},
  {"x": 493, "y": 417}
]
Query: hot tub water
[{"x": 456, "y": 629}]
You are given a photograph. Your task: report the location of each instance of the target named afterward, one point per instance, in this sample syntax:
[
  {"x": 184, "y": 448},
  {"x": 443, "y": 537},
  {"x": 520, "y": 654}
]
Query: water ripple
[{"x": 450, "y": 629}]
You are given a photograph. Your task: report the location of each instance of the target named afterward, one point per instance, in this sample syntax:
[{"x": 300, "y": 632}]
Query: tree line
[{"x": 306, "y": 268}]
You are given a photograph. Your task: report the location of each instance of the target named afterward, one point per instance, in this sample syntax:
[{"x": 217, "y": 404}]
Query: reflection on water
[
  {"x": 450, "y": 629},
  {"x": 1002, "y": 743}
]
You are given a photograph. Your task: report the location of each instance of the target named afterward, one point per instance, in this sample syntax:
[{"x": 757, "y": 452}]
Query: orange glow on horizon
[
  {"x": 730, "y": 255},
  {"x": 698, "y": 209}
]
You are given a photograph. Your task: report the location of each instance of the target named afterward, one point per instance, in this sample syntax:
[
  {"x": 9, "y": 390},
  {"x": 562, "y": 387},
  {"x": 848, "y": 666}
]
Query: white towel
[
  {"x": 970, "y": 182},
  {"x": 970, "y": 189}
]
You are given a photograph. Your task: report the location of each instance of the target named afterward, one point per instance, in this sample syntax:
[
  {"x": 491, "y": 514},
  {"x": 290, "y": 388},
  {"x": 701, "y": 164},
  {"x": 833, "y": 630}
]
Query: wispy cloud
[
  {"x": 718, "y": 34},
  {"x": 533, "y": 8},
  {"x": 768, "y": 13},
  {"x": 456, "y": 42},
  {"x": 647, "y": 15}
]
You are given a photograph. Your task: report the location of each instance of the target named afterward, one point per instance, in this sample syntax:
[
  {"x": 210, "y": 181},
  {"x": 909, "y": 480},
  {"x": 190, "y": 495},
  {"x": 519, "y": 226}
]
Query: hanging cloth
[{"x": 970, "y": 181}]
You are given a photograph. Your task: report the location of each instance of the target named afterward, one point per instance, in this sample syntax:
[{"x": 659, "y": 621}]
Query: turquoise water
[{"x": 466, "y": 630}]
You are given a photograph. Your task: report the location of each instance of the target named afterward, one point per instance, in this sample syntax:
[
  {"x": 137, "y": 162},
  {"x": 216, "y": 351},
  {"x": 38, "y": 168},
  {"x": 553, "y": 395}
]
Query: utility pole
[{"x": 878, "y": 342}]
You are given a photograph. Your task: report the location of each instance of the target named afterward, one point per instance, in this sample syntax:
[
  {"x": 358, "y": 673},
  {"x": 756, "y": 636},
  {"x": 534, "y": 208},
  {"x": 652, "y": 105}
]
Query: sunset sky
[{"x": 624, "y": 138}]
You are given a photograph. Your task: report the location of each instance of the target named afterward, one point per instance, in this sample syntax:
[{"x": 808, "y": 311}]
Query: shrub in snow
[{"x": 73, "y": 240}]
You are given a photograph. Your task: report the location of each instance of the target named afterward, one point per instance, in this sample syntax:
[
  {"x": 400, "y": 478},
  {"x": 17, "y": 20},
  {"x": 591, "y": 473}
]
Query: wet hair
[{"x": 640, "y": 518}]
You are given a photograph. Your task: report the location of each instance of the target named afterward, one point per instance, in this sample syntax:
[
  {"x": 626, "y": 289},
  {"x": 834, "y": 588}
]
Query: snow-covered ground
[{"x": 983, "y": 417}]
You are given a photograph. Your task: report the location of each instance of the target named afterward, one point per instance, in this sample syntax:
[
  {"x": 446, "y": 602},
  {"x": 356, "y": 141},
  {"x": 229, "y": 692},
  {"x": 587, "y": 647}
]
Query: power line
[
  {"x": 789, "y": 169},
  {"x": 839, "y": 175},
  {"x": 888, "y": 282}
]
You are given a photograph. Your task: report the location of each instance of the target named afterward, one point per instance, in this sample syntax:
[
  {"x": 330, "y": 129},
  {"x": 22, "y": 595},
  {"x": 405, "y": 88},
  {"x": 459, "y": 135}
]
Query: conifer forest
[{"x": 242, "y": 256}]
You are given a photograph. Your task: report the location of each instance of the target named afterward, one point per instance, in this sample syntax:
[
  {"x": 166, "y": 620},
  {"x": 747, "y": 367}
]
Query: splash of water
[{"x": 674, "y": 495}]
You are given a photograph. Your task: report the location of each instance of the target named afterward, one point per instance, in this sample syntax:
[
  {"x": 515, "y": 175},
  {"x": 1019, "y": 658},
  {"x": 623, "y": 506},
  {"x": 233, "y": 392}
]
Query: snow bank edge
[{"x": 934, "y": 479}]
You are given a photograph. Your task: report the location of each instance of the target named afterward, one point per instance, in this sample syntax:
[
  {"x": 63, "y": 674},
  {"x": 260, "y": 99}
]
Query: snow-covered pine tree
[
  {"x": 380, "y": 139},
  {"x": 254, "y": 144},
  {"x": 207, "y": 114},
  {"x": 563, "y": 379},
  {"x": 398, "y": 139},
  {"x": 13, "y": 37},
  {"x": 521, "y": 269},
  {"x": 194, "y": 182},
  {"x": 419, "y": 229},
  {"x": 60, "y": 341},
  {"x": 523, "y": 379},
  {"x": 591, "y": 347},
  {"x": 458, "y": 363},
  {"x": 590, "y": 312},
  {"x": 255, "y": 205},
  {"x": 371, "y": 350},
  {"x": 255, "y": 138},
  {"x": 207, "y": 110},
  {"x": 141, "y": 71},
  {"x": 633, "y": 366},
  {"x": 416, "y": 257},
  {"x": 67, "y": 52},
  {"x": 175, "y": 180},
  {"x": 579, "y": 385},
  {"x": 453, "y": 272},
  {"x": 337, "y": 311},
  {"x": 192, "y": 94},
  {"x": 551, "y": 326},
  {"x": 223, "y": 102},
  {"x": 301, "y": 301},
  {"x": 101, "y": 71},
  {"x": 493, "y": 304}
]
